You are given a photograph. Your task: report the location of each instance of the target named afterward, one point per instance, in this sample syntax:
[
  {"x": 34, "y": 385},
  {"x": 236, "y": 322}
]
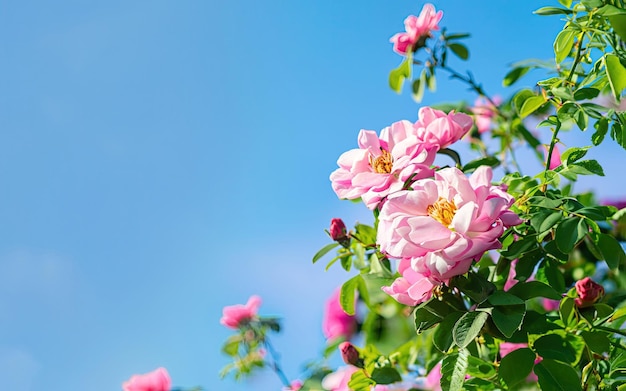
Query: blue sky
[{"x": 160, "y": 160}]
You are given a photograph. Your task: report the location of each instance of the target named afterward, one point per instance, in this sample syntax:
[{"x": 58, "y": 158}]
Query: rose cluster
[{"x": 435, "y": 222}]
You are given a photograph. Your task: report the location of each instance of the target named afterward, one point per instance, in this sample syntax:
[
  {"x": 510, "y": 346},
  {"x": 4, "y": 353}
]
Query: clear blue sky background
[{"x": 160, "y": 160}]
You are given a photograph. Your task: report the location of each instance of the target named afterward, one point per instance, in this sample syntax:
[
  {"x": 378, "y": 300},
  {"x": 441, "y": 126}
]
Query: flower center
[
  {"x": 443, "y": 211},
  {"x": 383, "y": 163}
]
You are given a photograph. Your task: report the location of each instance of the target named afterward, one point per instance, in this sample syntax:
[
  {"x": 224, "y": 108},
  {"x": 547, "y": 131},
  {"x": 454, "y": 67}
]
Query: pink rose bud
[
  {"x": 350, "y": 355},
  {"x": 157, "y": 380},
  {"x": 588, "y": 291}
]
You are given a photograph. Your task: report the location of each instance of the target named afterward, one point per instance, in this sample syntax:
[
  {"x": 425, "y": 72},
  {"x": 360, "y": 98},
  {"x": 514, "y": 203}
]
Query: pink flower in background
[
  {"x": 236, "y": 315},
  {"x": 294, "y": 386},
  {"x": 550, "y": 305},
  {"x": 457, "y": 217},
  {"x": 418, "y": 29},
  {"x": 589, "y": 292},
  {"x": 157, "y": 380},
  {"x": 382, "y": 164},
  {"x": 555, "y": 159},
  {"x": 433, "y": 379},
  {"x": 435, "y": 127},
  {"x": 484, "y": 112},
  {"x": 336, "y": 323}
]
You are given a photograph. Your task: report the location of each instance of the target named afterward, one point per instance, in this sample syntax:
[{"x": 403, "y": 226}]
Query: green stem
[{"x": 474, "y": 86}]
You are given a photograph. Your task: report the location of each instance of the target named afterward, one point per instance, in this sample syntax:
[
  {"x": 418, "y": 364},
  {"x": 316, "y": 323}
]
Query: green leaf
[
  {"x": 453, "y": 370},
  {"x": 565, "y": 348},
  {"x": 531, "y": 289},
  {"x": 418, "y": 89},
  {"x": 563, "y": 44},
  {"x": 460, "y": 50},
  {"x": 480, "y": 368},
  {"x": 508, "y": 318},
  {"x": 566, "y": 234},
  {"x": 491, "y": 161},
  {"x": 566, "y": 3},
  {"x": 554, "y": 375},
  {"x": 566, "y": 310},
  {"x": 442, "y": 337},
  {"x": 324, "y": 251},
  {"x": 587, "y": 167},
  {"x": 616, "y": 73},
  {"x": 550, "y": 220},
  {"x": 386, "y": 375},
  {"x": 516, "y": 366},
  {"x": 549, "y": 273},
  {"x": 231, "y": 346},
  {"x": 552, "y": 11},
  {"x": 586, "y": 93},
  {"x": 347, "y": 297},
  {"x": 397, "y": 75},
  {"x": 602, "y": 127},
  {"x": 359, "y": 381},
  {"x": 468, "y": 327},
  {"x": 597, "y": 341},
  {"x": 513, "y": 75},
  {"x": 450, "y": 37},
  {"x": 530, "y": 105},
  {"x": 574, "y": 154},
  {"x": 582, "y": 119},
  {"x": 504, "y": 298},
  {"x": 611, "y": 250},
  {"x": 365, "y": 233},
  {"x": 610, "y": 10}
]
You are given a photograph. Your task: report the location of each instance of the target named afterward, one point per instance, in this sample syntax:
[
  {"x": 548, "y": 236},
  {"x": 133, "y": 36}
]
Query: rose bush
[{"x": 476, "y": 276}]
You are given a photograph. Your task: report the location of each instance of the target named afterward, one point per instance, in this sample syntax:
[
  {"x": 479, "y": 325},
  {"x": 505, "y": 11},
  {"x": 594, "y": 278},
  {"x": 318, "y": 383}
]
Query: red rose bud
[
  {"x": 337, "y": 229},
  {"x": 350, "y": 355},
  {"x": 338, "y": 232},
  {"x": 588, "y": 291}
]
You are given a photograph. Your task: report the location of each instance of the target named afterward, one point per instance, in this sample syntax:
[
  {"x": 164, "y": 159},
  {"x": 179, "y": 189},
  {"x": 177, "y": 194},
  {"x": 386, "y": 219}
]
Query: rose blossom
[
  {"x": 484, "y": 111},
  {"x": 336, "y": 323},
  {"x": 438, "y": 128},
  {"x": 415, "y": 286},
  {"x": 589, "y": 292},
  {"x": 157, "y": 380},
  {"x": 238, "y": 314},
  {"x": 381, "y": 165},
  {"x": 555, "y": 159},
  {"x": 418, "y": 29},
  {"x": 455, "y": 217}
]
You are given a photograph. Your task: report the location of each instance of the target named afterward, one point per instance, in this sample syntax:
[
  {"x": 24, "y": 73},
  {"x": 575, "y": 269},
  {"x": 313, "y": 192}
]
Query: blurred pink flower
[
  {"x": 435, "y": 127},
  {"x": 418, "y": 29},
  {"x": 555, "y": 159},
  {"x": 550, "y": 305},
  {"x": 336, "y": 323},
  {"x": 433, "y": 379},
  {"x": 236, "y": 315},
  {"x": 589, "y": 292},
  {"x": 455, "y": 217},
  {"x": 484, "y": 112},
  {"x": 157, "y": 380},
  {"x": 294, "y": 386},
  {"x": 381, "y": 165}
]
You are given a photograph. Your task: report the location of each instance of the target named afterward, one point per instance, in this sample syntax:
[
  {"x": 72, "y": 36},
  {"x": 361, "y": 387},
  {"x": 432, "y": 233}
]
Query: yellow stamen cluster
[
  {"x": 383, "y": 163},
  {"x": 443, "y": 211}
]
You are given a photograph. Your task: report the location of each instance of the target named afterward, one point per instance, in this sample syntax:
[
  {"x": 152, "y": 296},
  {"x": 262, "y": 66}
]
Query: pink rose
[
  {"x": 337, "y": 229},
  {"x": 589, "y": 292},
  {"x": 433, "y": 379},
  {"x": 418, "y": 29},
  {"x": 157, "y": 380},
  {"x": 484, "y": 112},
  {"x": 453, "y": 217},
  {"x": 237, "y": 315},
  {"x": 435, "y": 127},
  {"x": 414, "y": 286},
  {"x": 382, "y": 164},
  {"x": 350, "y": 355},
  {"x": 336, "y": 323}
]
